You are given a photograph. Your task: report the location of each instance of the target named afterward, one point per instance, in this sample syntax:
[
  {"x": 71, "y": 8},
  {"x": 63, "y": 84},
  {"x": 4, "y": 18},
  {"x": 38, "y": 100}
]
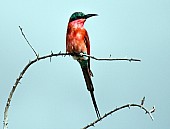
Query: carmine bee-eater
[{"x": 77, "y": 41}]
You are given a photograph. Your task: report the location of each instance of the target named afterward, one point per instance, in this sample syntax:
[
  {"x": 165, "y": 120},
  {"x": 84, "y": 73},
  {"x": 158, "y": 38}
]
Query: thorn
[
  {"x": 152, "y": 110},
  {"x": 146, "y": 112},
  {"x": 110, "y": 56},
  {"x": 93, "y": 125},
  {"x": 20, "y": 28},
  {"x": 51, "y": 52},
  {"x": 130, "y": 60},
  {"x": 142, "y": 101},
  {"x": 105, "y": 115},
  {"x": 129, "y": 106},
  {"x": 50, "y": 58}
]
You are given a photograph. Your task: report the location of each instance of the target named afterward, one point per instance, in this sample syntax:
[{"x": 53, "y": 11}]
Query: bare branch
[
  {"x": 28, "y": 41},
  {"x": 117, "y": 109},
  {"x": 105, "y": 59},
  {"x": 5, "y": 123},
  {"x": 110, "y": 59}
]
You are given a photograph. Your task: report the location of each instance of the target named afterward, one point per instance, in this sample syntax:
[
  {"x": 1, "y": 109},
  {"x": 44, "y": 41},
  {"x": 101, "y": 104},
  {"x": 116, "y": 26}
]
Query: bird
[{"x": 77, "y": 42}]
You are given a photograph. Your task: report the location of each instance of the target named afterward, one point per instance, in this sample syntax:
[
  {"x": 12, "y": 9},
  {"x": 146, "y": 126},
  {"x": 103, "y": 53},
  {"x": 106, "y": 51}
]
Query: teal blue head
[{"x": 80, "y": 15}]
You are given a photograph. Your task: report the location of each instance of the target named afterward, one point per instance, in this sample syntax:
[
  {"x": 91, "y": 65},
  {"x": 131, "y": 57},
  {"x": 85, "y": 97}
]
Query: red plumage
[{"x": 77, "y": 41}]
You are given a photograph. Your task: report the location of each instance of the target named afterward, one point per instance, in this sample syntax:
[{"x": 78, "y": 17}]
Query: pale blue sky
[{"x": 54, "y": 96}]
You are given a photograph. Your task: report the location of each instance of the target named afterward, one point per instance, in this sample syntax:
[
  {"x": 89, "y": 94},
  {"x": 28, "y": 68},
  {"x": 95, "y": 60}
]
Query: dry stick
[
  {"x": 32, "y": 62},
  {"x": 119, "y": 108},
  {"x": 27, "y": 41}
]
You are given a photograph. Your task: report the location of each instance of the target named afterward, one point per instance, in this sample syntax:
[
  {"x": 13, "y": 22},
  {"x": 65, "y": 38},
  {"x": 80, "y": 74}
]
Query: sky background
[{"x": 53, "y": 95}]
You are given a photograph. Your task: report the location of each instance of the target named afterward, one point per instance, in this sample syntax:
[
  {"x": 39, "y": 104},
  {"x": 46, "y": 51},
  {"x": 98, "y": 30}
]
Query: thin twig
[
  {"x": 27, "y": 41},
  {"x": 104, "y": 59},
  {"x": 117, "y": 109},
  {"x": 5, "y": 122},
  {"x": 111, "y": 59}
]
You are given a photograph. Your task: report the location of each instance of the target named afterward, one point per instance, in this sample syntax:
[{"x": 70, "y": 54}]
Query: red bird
[{"x": 77, "y": 41}]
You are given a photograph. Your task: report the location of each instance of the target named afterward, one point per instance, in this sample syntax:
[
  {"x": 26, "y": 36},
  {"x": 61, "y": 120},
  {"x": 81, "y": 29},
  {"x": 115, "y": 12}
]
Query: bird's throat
[{"x": 78, "y": 23}]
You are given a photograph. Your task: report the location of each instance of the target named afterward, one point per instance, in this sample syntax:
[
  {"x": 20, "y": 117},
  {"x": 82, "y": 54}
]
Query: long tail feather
[
  {"x": 90, "y": 88},
  {"x": 95, "y": 104},
  {"x": 87, "y": 78}
]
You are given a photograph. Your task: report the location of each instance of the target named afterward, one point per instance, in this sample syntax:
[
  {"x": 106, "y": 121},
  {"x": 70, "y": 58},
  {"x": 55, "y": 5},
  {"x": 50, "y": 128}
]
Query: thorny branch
[
  {"x": 5, "y": 122},
  {"x": 41, "y": 58},
  {"x": 122, "y": 107}
]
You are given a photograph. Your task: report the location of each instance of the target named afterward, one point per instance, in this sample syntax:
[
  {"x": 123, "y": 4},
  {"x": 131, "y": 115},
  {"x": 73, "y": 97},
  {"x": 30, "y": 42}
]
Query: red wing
[{"x": 87, "y": 42}]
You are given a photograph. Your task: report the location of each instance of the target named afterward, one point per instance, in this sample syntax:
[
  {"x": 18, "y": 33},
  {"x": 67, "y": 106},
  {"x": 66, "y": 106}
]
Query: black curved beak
[{"x": 90, "y": 15}]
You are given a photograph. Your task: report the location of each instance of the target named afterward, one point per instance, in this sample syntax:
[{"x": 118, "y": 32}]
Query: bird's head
[{"x": 80, "y": 15}]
